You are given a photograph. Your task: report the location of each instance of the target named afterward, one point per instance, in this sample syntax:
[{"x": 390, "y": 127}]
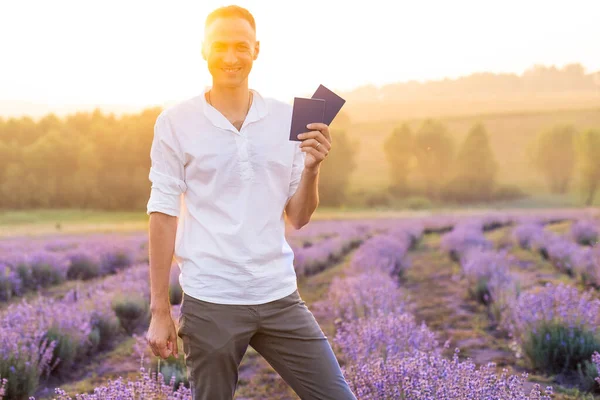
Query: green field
[{"x": 47, "y": 222}]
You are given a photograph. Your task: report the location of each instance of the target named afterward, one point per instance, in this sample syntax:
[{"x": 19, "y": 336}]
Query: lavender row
[
  {"x": 469, "y": 233},
  {"x": 432, "y": 223},
  {"x": 586, "y": 232},
  {"x": 538, "y": 326},
  {"x": 26, "y": 265},
  {"x": 313, "y": 259},
  {"x": 47, "y": 335},
  {"x": 487, "y": 271},
  {"x": 465, "y": 237},
  {"x": 373, "y": 276},
  {"x": 145, "y": 386},
  {"x": 564, "y": 252},
  {"x": 388, "y": 355},
  {"x": 551, "y": 342},
  {"x": 310, "y": 260},
  {"x": 155, "y": 387},
  {"x": 555, "y": 328}
]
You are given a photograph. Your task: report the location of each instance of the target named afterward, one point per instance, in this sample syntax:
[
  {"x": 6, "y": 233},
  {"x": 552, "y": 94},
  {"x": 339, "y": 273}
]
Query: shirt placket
[{"x": 243, "y": 158}]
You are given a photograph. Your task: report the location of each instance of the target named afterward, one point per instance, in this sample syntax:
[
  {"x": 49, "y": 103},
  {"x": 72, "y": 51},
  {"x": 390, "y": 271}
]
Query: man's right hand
[{"x": 162, "y": 335}]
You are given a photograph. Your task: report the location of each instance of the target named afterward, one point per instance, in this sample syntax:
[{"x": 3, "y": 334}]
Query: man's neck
[{"x": 230, "y": 101}]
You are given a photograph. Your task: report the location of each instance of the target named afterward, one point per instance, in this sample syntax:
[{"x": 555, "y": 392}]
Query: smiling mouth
[{"x": 231, "y": 70}]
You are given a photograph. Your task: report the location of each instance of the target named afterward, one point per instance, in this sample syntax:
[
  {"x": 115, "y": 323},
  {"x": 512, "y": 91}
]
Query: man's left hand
[{"x": 316, "y": 143}]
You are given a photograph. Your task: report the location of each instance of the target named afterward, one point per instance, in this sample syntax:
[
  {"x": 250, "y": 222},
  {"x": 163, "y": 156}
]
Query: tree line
[
  {"x": 443, "y": 171},
  {"x": 98, "y": 161},
  {"x": 91, "y": 160},
  {"x": 86, "y": 160},
  {"x": 562, "y": 155}
]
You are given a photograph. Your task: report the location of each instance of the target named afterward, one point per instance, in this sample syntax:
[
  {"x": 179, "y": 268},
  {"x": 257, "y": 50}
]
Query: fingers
[
  {"x": 317, "y": 153},
  {"x": 159, "y": 348},
  {"x": 315, "y": 144},
  {"x": 151, "y": 344},
  {"x": 316, "y": 137},
  {"x": 323, "y": 128},
  {"x": 164, "y": 348},
  {"x": 173, "y": 339}
]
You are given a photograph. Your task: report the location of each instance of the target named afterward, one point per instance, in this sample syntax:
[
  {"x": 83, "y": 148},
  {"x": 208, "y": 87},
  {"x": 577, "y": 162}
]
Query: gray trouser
[{"x": 216, "y": 336}]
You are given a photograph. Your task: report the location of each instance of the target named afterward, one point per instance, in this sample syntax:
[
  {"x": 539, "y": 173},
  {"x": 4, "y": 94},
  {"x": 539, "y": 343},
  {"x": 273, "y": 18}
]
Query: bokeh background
[{"x": 462, "y": 192}]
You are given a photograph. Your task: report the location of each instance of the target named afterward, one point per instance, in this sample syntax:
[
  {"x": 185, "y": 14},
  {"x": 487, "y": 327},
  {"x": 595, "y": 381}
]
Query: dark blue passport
[
  {"x": 333, "y": 103},
  {"x": 305, "y": 111}
]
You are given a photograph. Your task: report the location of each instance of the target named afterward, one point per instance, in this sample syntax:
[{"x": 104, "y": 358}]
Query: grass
[
  {"x": 71, "y": 216},
  {"x": 75, "y": 221}
]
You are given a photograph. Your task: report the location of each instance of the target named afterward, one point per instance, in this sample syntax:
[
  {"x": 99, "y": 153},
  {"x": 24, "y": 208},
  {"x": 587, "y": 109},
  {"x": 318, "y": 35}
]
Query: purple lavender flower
[
  {"x": 463, "y": 237},
  {"x": 146, "y": 386},
  {"x": 24, "y": 325},
  {"x": 560, "y": 253},
  {"x": 596, "y": 361},
  {"x": 553, "y": 304},
  {"x": 383, "y": 253},
  {"x": 363, "y": 295},
  {"x": 385, "y": 336},
  {"x": 428, "y": 376},
  {"x": 43, "y": 261},
  {"x": 526, "y": 234},
  {"x": 585, "y": 232},
  {"x": 490, "y": 279},
  {"x": 326, "y": 252},
  {"x": 3, "y": 383},
  {"x": 389, "y": 356},
  {"x": 587, "y": 265}
]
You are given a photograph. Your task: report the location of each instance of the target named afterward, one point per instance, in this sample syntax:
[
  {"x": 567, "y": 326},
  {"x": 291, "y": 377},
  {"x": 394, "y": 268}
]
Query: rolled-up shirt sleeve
[
  {"x": 297, "y": 168},
  {"x": 167, "y": 171}
]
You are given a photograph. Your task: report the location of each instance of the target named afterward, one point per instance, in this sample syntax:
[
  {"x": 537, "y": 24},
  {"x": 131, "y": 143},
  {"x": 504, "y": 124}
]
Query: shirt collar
[{"x": 258, "y": 110}]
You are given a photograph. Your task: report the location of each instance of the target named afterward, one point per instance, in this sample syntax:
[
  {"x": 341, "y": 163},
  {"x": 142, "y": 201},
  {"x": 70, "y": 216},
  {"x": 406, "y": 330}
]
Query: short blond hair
[{"x": 228, "y": 12}]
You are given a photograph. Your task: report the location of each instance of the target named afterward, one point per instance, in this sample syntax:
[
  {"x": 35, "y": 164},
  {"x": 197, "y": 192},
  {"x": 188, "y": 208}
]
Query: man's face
[{"x": 230, "y": 47}]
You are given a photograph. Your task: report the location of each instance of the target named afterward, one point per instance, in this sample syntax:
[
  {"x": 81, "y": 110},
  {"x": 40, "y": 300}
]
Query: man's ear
[
  {"x": 256, "y": 49},
  {"x": 202, "y": 51}
]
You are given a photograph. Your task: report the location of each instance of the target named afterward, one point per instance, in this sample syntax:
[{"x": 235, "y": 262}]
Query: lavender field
[{"x": 487, "y": 306}]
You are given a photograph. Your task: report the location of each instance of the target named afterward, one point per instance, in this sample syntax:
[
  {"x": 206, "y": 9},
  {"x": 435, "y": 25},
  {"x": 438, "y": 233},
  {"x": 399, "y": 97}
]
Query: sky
[{"x": 140, "y": 53}]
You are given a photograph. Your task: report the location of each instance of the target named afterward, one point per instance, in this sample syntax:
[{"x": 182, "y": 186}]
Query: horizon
[
  {"x": 94, "y": 57},
  {"x": 62, "y": 110}
]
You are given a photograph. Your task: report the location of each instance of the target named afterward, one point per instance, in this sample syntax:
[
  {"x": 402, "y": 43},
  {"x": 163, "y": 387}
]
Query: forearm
[
  {"x": 305, "y": 200},
  {"x": 161, "y": 245}
]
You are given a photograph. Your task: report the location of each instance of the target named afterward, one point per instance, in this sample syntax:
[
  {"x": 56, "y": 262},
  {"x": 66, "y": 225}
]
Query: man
[{"x": 227, "y": 151}]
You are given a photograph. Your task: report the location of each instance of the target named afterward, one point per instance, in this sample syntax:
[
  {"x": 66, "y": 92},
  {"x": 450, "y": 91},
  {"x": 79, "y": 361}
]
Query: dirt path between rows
[{"x": 440, "y": 299}]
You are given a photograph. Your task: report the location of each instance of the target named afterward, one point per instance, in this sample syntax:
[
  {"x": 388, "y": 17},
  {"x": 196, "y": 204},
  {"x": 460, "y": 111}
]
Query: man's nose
[{"x": 230, "y": 56}]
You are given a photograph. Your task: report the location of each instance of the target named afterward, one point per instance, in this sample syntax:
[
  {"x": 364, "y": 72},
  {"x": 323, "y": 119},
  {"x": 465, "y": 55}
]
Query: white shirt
[{"x": 229, "y": 190}]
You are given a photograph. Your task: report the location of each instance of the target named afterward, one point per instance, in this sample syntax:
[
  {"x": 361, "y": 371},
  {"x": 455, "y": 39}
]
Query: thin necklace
[{"x": 250, "y": 95}]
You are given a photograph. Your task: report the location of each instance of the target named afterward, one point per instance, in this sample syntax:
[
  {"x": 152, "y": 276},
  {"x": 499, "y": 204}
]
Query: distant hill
[{"x": 537, "y": 89}]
